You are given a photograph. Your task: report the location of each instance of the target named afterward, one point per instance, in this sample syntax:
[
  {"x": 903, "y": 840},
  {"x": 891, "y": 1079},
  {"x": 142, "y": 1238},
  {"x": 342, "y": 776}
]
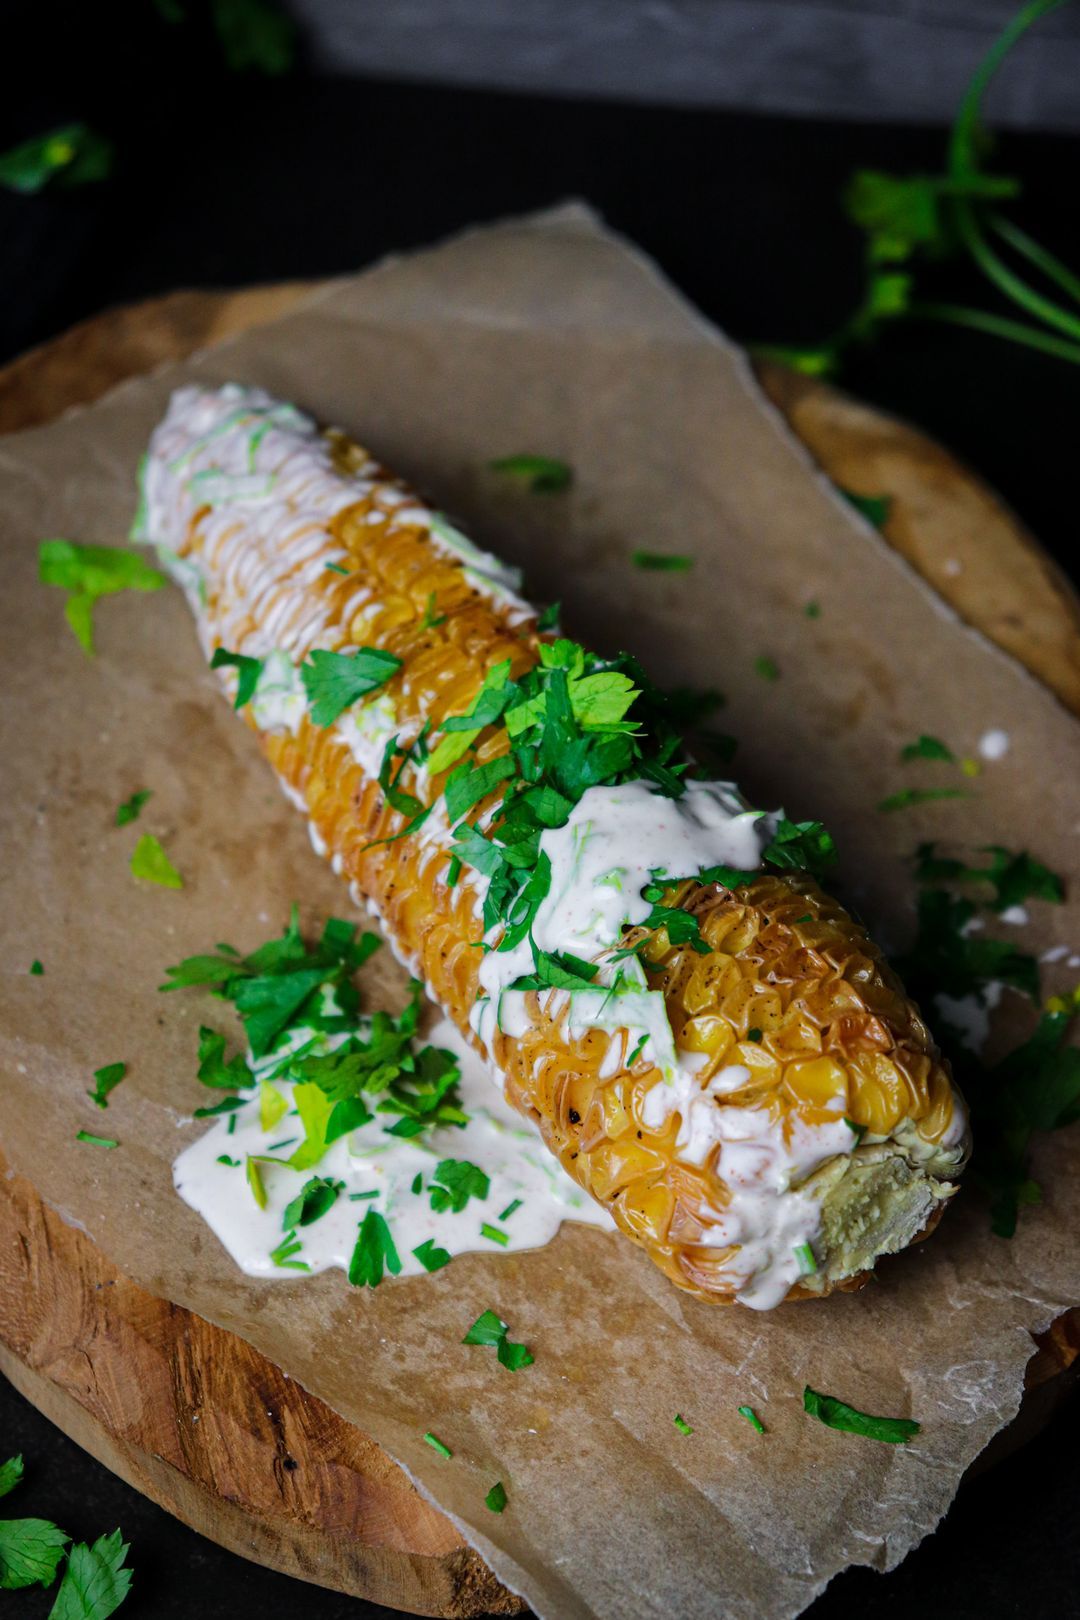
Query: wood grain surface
[{"x": 189, "y": 1413}]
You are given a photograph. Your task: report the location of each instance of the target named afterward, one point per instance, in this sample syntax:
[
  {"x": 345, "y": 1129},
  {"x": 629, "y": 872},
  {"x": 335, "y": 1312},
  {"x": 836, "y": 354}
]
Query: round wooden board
[{"x": 187, "y": 1412}]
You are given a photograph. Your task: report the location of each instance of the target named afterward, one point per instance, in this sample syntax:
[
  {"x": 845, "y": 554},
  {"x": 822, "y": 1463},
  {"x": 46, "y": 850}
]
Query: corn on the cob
[{"x": 792, "y": 1119}]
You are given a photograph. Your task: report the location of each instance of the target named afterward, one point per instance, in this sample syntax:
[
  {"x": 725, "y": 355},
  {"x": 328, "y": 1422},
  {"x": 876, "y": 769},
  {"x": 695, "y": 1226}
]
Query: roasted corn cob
[{"x": 727, "y": 1064}]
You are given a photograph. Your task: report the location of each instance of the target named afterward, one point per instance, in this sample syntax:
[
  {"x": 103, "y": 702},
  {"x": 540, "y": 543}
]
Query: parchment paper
[{"x": 546, "y": 335}]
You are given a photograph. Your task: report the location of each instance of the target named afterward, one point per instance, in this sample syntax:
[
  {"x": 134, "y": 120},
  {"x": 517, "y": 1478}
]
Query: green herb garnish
[
  {"x": 454, "y": 1182},
  {"x": 767, "y": 668},
  {"x": 36, "y": 968},
  {"x": 334, "y": 681},
  {"x": 490, "y": 1330},
  {"x": 838, "y": 1415},
  {"x": 874, "y": 508},
  {"x": 289, "y": 1246},
  {"x": 150, "y": 863},
  {"x": 510, "y": 1209},
  {"x": 681, "y": 1424},
  {"x": 73, "y": 155},
  {"x": 752, "y": 1418},
  {"x": 660, "y": 562},
  {"x": 543, "y": 475},
  {"x": 96, "y": 1141},
  {"x": 910, "y": 796},
  {"x": 1014, "y": 876},
  {"x": 436, "y": 1444},
  {"x": 431, "y": 1256},
  {"x": 311, "y": 1203},
  {"x": 374, "y": 1253},
  {"x": 247, "y": 669},
  {"x": 493, "y": 1234},
  {"x": 88, "y": 573},
  {"x": 130, "y": 809},
  {"x": 928, "y": 748},
  {"x": 495, "y": 1500},
  {"x": 105, "y": 1080}
]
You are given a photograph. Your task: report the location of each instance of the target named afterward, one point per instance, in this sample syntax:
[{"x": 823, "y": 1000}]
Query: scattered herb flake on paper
[
  {"x": 837, "y": 1414},
  {"x": 543, "y": 475},
  {"x": 130, "y": 809},
  {"x": 150, "y": 863}
]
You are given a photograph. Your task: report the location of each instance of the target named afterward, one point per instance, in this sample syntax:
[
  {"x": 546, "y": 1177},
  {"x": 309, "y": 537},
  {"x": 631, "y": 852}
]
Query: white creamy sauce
[
  {"x": 267, "y": 477},
  {"x": 497, "y": 1140},
  {"x": 970, "y": 1016},
  {"x": 994, "y": 744},
  {"x": 1018, "y": 916}
]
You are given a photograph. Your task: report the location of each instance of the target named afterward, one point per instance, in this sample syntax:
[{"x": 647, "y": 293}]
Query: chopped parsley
[
  {"x": 247, "y": 669},
  {"x": 436, "y": 1444},
  {"x": 549, "y": 618},
  {"x": 131, "y": 808},
  {"x": 812, "y": 610},
  {"x": 910, "y": 796},
  {"x": 661, "y": 562},
  {"x": 96, "y": 1141},
  {"x": 431, "y": 1256},
  {"x": 105, "y": 1080},
  {"x": 752, "y": 1418},
  {"x": 150, "y": 863},
  {"x": 874, "y": 508},
  {"x": 225, "y": 1158},
  {"x": 490, "y": 1330},
  {"x": 928, "y": 748},
  {"x": 681, "y": 1424},
  {"x": 767, "y": 668},
  {"x": 374, "y": 1253},
  {"x": 73, "y": 155},
  {"x": 542, "y": 475},
  {"x": 311, "y": 1203},
  {"x": 1014, "y": 876},
  {"x": 431, "y": 619},
  {"x": 90, "y": 572},
  {"x": 837, "y": 1414},
  {"x": 213, "y": 1069},
  {"x": 946, "y": 959},
  {"x": 334, "y": 681},
  {"x": 454, "y": 1182},
  {"x": 495, "y": 1500},
  {"x": 36, "y": 968}
]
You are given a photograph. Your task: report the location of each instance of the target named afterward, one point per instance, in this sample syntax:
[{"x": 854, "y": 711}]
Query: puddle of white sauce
[
  {"x": 994, "y": 744},
  {"x": 497, "y": 1140}
]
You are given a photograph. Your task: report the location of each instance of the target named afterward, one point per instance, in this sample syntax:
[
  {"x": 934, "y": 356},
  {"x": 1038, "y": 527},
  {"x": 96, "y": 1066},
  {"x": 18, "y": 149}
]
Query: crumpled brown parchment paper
[{"x": 546, "y": 335}]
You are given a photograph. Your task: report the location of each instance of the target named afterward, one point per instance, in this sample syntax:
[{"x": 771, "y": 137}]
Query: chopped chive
[
  {"x": 277, "y": 1147},
  {"x": 681, "y": 1424},
  {"x": 231, "y": 1126},
  {"x": 355, "y": 1197},
  {"x": 36, "y": 968},
  {"x": 436, "y": 1444},
  {"x": 804, "y": 1254},
  {"x": 510, "y": 1209},
  {"x": 859, "y": 1130},
  {"x": 807, "y": 917},
  {"x": 96, "y": 1141},
  {"x": 495, "y": 1499},
  {"x": 493, "y": 1233},
  {"x": 336, "y": 568},
  {"x": 752, "y": 1418}
]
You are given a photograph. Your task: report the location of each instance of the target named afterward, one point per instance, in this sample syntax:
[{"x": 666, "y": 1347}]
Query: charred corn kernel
[{"x": 786, "y": 1009}]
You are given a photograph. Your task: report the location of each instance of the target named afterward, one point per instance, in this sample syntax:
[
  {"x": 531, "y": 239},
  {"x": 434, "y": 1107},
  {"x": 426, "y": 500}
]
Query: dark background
[{"x": 223, "y": 180}]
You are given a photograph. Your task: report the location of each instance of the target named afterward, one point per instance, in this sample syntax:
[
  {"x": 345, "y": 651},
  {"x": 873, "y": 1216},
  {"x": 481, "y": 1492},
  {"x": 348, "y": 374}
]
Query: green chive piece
[
  {"x": 681, "y": 1424},
  {"x": 493, "y": 1233},
  {"x": 752, "y": 1418},
  {"x": 436, "y": 1444}
]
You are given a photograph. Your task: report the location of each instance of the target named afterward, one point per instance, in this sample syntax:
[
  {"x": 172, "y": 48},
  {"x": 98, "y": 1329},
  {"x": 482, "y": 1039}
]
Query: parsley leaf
[
  {"x": 106, "y": 1080},
  {"x": 30, "y": 1551},
  {"x": 334, "y": 681},
  {"x": 213, "y": 1070},
  {"x": 491, "y": 1330},
  {"x": 837, "y": 1414},
  {"x": 37, "y": 968},
  {"x": 454, "y": 1182},
  {"x": 248, "y": 672},
  {"x": 909, "y": 796},
  {"x": 946, "y": 960},
  {"x": 255, "y": 36},
  {"x": 659, "y": 562},
  {"x": 90, "y": 572},
  {"x": 430, "y": 1256},
  {"x": 11, "y": 1474},
  {"x": 927, "y": 748},
  {"x": 374, "y": 1253},
  {"x": 767, "y": 668},
  {"x": 874, "y": 508},
  {"x": 72, "y": 155},
  {"x": 802, "y": 845},
  {"x": 496, "y": 1498},
  {"x": 95, "y": 1581},
  {"x": 130, "y": 809},
  {"x": 1014, "y": 876},
  {"x": 544, "y": 475},
  {"x": 311, "y": 1203},
  {"x": 150, "y": 863},
  {"x": 468, "y": 784}
]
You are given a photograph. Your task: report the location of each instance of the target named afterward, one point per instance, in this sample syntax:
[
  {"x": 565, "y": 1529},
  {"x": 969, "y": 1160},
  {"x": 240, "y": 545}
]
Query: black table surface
[{"x": 223, "y": 181}]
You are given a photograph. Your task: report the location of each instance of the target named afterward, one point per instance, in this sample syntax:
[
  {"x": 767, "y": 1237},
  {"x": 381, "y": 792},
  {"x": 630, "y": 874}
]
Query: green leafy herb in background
[
  {"x": 254, "y": 36},
  {"x": 838, "y": 1414},
  {"x": 910, "y": 222},
  {"x": 73, "y": 155},
  {"x": 95, "y": 1581},
  {"x": 131, "y": 808}
]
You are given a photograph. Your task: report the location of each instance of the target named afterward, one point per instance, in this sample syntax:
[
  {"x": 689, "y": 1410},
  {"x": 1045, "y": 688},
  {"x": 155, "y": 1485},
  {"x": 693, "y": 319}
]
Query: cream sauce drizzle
[{"x": 496, "y": 1139}]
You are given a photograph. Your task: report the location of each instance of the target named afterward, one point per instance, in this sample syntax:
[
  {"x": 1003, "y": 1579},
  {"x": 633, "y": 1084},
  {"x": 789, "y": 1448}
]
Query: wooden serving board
[{"x": 187, "y": 1412}]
